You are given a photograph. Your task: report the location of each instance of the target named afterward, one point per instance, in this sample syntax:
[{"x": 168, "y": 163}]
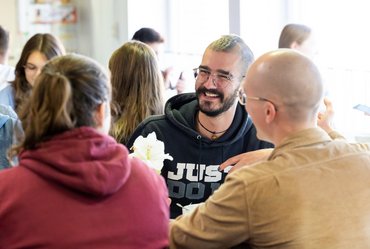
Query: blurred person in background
[
  {"x": 36, "y": 52},
  {"x": 299, "y": 37},
  {"x": 156, "y": 41}
]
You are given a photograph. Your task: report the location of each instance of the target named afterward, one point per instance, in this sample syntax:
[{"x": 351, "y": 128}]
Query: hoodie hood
[
  {"x": 81, "y": 159},
  {"x": 181, "y": 110}
]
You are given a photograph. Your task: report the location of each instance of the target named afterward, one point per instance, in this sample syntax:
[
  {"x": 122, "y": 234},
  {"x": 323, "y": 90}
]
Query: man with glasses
[
  {"x": 202, "y": 130},
  {"x": 313, "y": 190}
]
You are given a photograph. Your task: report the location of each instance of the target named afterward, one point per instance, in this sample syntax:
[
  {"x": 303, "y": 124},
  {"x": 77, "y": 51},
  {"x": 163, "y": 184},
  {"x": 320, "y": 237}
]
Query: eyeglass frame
[
  {"x": 243, "y": 98},
  {"x": 216, "y": 76}
]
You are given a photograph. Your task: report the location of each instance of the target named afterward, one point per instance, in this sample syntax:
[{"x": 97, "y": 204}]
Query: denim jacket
[{"x": 10, "y": 132}]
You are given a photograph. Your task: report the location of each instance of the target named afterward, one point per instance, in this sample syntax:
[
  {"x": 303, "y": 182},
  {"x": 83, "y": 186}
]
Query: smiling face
[
  {"x": 35, "y": 63},
  {"x": 214, "y": 99}
]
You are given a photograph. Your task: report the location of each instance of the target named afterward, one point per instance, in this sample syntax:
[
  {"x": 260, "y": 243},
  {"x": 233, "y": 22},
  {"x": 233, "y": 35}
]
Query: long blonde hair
[
  {"x": 65, "y": 96},
  {"x": 137, "y": 88}
]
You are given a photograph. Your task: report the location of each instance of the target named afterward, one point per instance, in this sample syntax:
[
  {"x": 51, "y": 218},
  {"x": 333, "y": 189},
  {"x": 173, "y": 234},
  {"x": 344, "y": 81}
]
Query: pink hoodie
[{"x": 81, "y": 190}]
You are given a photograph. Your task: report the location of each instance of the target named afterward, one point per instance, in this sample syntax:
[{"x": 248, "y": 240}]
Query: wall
[
  {"x": 8, "y": 19},
  {"x": 101, "y": 27},
  {"x": 261, "y": 22}
]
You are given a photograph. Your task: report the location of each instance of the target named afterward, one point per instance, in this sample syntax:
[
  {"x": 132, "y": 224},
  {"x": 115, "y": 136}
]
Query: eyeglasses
[
  {"x": 219, "y": 79},
  {"x": 243, "y": 98}
]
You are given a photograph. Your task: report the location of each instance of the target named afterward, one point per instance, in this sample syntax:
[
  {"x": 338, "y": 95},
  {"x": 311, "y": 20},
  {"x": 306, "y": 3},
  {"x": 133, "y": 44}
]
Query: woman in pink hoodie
[{"x": 75, "y": 187}]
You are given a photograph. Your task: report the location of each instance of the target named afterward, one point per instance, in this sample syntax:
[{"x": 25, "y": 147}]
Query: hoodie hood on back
[{"x": 82, "y": 159}]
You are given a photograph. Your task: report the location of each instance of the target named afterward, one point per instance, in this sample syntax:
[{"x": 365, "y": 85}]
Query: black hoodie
[{"x": 193, "y": 174}]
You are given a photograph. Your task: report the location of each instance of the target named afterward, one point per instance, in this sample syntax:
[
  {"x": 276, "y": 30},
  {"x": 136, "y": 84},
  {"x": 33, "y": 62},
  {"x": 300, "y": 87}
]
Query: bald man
[{"x": 313, "y": 190}]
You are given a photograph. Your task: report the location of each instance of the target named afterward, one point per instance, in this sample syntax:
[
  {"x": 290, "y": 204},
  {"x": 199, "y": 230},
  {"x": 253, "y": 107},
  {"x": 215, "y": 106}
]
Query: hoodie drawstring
[{"x": 199, "y": 137}]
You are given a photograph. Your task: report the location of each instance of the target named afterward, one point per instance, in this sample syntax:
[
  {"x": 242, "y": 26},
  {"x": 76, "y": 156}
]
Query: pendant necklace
[{"x": 214, "y": 133}]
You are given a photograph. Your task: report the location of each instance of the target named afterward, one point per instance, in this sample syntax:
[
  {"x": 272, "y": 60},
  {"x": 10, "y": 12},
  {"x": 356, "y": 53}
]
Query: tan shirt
[{"x": 313, "y": 192}]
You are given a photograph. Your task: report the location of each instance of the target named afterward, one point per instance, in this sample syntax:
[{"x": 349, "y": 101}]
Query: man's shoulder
[
  {"x": 257, "y": 171},
  {"x": 301, "y": 159},
  {"x": 154, "y": 120},
  {"x": 152, "y": 123}
]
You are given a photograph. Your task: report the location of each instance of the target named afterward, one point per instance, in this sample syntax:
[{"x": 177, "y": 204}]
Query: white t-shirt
[{"x": 6, "y": 75}]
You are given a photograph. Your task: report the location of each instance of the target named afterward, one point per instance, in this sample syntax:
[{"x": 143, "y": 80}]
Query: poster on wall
[{"x": 58, "y": 17}]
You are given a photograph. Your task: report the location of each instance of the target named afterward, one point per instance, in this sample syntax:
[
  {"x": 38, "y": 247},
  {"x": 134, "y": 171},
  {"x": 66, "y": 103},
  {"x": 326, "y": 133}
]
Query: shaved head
[{"x": 290, "y": 80}]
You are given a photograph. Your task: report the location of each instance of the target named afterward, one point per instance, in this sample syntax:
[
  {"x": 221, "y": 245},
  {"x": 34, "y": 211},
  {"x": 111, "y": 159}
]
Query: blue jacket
[
  {"x": 193, "y": 174},
  {"x": 7, "y": 96},
  {"x": 10, "y": 132}
]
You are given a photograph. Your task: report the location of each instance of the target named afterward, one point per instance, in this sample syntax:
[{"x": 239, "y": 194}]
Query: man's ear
[
  {"x": 294, "y": 45},
  {"x": 270, "y": 112}
]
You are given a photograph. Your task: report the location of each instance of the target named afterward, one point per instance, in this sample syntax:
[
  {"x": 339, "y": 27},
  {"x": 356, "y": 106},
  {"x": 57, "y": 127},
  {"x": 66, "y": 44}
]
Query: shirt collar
[{"x": 303, "y": 138}]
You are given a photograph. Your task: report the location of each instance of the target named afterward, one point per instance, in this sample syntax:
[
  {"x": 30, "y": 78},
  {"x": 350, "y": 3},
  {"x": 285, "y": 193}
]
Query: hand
[
  {"x": 246, "y": 159},
  {"x": 181, "y": 84},
  {"x": 166, "y": 77},
  {"x": 325, "y": 120}
]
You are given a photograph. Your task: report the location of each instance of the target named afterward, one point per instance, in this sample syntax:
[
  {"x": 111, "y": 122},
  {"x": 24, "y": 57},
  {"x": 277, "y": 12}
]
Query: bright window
[{"x": 340, "y": 28}]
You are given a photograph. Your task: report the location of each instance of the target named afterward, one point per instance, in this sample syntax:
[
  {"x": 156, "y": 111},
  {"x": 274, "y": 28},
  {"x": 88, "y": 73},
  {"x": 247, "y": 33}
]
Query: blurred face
[
  {"x": 218, "y": 82},
  {"x": 157, "y": 47},
  {"x": 35, "y": 63},
  {"x": 308, "y": 47}
]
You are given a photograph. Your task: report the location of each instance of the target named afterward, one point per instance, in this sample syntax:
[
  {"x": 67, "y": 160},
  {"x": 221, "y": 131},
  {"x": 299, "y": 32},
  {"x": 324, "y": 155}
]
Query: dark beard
[{"x": 226, "y": 102}]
